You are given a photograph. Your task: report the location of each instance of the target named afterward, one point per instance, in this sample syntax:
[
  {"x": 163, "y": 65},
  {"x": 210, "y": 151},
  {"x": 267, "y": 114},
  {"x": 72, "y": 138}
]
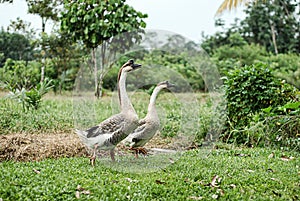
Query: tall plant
[{"x": 96, "y": 22}]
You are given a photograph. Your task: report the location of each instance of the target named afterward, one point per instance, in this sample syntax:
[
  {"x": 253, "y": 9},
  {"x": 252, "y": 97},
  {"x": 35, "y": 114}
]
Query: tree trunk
[
  {"x": 97, "y": 94},
  {"x": 43, "y": 68},
  {"x": 274, "y": 37},
  {"x": 43, "y": 52}
]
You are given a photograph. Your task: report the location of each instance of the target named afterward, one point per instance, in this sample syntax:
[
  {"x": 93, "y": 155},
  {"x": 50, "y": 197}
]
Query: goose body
[
  {"x": 149, "y": 125},
  {"x": 113, "y": 130}
]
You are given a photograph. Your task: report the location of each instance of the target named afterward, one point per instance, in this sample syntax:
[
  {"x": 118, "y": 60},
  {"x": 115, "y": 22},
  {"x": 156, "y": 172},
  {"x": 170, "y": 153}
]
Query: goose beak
[
  {"x": 136, "y": 66},
  {"x": 170, "y": 85}
]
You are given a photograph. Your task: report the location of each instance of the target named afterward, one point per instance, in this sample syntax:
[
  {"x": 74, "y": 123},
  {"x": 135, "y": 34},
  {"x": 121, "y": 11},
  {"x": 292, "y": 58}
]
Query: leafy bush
[
  {"x": 19, "y": 74},
  {"x": 282, "y": 125},
  {"x": 248, "y": 90},
  {"x": 286, "y": 66},
  {"x": 33, "y": 97},
  {"x": 226, "y": 56}
]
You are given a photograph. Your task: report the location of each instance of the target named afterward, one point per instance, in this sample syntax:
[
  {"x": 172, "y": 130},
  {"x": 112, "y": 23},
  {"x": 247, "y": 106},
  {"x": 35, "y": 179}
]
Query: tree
[
  {"x": 274, "y": 24},
  {"x": 96, "y": 23},
  {"x": 15, "y": 46},
  {"x": 47, "y": 10}
]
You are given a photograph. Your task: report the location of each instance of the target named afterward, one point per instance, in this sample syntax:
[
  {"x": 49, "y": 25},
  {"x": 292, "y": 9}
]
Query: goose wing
[
  {"x": 144, "y": 132},
  {"x": 109, "y": 126}
]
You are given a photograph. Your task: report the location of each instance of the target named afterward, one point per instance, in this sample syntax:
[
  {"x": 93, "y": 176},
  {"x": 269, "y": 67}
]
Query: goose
[
  {"x": 113, "y": 130},
  {"x": 149, "y": 125}
]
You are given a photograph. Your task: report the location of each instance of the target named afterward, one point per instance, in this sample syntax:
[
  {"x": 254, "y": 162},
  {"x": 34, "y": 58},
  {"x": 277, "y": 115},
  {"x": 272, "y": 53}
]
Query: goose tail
[{"x": 82, "y": 135}]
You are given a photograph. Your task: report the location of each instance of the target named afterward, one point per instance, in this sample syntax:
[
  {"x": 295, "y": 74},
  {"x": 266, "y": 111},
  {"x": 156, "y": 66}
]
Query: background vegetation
[{"x": 252, "y": 120}]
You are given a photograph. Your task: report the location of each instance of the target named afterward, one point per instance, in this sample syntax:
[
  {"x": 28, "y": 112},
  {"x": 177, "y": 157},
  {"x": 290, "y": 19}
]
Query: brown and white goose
[
  {"x": 149, "y": 125},
  {"x": 113, "y": 130}
]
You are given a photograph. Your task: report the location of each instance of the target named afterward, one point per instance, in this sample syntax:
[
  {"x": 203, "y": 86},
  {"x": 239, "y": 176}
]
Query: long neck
[
  {"x": 123, "y": 97},
  {"x": 151, "y": 106}
]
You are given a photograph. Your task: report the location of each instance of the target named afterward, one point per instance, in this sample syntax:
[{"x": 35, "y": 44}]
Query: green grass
[
  {"x": 245, "y": 174},
  {"x": 60, "y": 114}
]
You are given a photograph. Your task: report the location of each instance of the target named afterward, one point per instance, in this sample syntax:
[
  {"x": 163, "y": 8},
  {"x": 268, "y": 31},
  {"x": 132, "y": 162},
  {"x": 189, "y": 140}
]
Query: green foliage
[
  {"x": 20, "y": 74},
  {"x": 96, "y": 21},
  {"x": 240, "y": 174},
  {"x": 14, "y": 46},
  {"x": 31, "y": 99},
  {"x": 287, "y": 67},
  {"x": 248, "y": 90},
  {"x": 227, "y": 57},
  {"x": 274, "y": 24},
  {"x": 52, "y": 116}
]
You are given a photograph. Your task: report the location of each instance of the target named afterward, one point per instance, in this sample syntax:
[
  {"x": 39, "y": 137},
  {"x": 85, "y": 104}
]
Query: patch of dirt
[{"x": 36, "y": 147}]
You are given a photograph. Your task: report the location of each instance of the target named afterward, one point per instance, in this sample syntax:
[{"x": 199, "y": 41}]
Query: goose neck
[{"x": 123, "y": 96}]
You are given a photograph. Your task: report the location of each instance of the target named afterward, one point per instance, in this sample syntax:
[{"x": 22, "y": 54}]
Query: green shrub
[
  {"x": 20, "y": 74},
  {"x": 226, "y": 56},
  {"x": 248, "y": 90},
  {"x": 287, "y": 67},
  {"x": 30, "y": 99}
]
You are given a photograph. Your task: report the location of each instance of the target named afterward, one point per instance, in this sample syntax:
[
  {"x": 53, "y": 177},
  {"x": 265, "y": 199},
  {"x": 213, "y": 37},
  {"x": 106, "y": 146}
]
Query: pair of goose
[{"x": 125, "y": 125}]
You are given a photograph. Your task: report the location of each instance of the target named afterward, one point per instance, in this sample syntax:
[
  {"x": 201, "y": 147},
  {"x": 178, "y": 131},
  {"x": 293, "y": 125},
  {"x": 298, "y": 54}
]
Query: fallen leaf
[
  {"x": 186, "y": 179},
  {"x": 159, "y": 182},
  {"x": 195, "y": 197},
  {"x": 128, "y": 179},
  {"x": 79, "y": 188},
  {"x": 242, "y": 155},
  {"x": 221, "y": 192},
  {"x": 171, "y": 160},
  {"x": 215, "y": 196},
  {"x": 36, "y": 171},
  {"x": 232, "y": 185},
  {"x": 270, "y": 170},
  {"x": 271, "y": 155},
  {"x": 285, "y": 158},
  {"x": 278, "y": 194},
  {"x": 216, "y": 179},
  {"x": 250, "y": 171},
  {"x": 86, "y": 192},
  {"x": 77, "y": 194}
]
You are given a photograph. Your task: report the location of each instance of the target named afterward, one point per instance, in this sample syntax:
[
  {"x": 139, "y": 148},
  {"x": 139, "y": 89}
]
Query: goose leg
[
  {"x": 138, "y": 150},
  {"x": 136, "y": 154},
  {"x": 142, "y": 150},
  {"x": 93, "y": 157},
  {"x": 112, "y": 154}
]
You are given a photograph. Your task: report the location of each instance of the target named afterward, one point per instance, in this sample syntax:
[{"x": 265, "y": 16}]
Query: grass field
[
  {"x": 222, "y": 174},
  {"x": 59, "y": 172}
]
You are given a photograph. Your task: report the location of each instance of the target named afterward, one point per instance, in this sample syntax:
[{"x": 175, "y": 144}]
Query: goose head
[
  {"x": 165, "y": 85},
  {"x": 130, "y": 66}
]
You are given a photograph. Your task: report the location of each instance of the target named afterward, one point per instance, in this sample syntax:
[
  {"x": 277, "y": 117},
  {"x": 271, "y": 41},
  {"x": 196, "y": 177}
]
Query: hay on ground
[{"x": 36, "y": 147}]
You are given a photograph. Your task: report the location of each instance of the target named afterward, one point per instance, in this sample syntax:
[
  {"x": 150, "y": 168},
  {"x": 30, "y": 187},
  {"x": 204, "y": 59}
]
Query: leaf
[
  {"x": 79, "y": 188},
  {"x": 215, "y": 181},
  {"x": 195, "y": 197},
  {"x": 215, "y": 196},
  {"x": 242, "y": 155},
  {"x": 128, "y": 179},
  {"x": 36, "y": 171},
  {"x": 86, "y": 192},
  {"x": 285, "y": 158},
  {"x": 77, "y": 194},
  {"x": 159, "y": 181},
  {"x": 271, "y": 155}
]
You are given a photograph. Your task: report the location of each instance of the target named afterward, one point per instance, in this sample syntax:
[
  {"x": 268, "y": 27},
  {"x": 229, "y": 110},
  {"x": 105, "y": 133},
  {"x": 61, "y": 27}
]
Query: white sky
[{"x": 185, "y": 17}]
